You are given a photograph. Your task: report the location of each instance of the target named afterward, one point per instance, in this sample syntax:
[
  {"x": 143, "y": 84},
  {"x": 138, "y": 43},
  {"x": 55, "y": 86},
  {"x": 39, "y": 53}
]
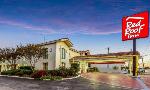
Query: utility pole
[
  {"x": 44, "y": 38},
  {"x": 108, "y": 54},
  {"x": 108, "y": 49}
]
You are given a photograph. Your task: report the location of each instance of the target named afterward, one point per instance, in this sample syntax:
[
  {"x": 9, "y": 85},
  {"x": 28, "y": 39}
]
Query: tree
[
  {"x": 1, "y": 55},
  {"x": 32, "y": 53},
  {"x": 11, "y": 55}
]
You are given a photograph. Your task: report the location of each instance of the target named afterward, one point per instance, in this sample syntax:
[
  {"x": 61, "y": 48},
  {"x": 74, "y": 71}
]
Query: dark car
[{"x": 141, "y": 70}]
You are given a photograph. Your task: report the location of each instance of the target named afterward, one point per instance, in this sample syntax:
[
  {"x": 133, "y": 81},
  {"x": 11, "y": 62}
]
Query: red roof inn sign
[{"x": 135, "y": 26}]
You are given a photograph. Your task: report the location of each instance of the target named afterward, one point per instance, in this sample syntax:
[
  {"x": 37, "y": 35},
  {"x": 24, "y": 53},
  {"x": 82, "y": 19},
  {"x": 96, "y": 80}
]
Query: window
[
  {"x": 86, "y": 54},
  {"x": 45, "y": 56},
  {"x": 63, "y": 64},
  {"x": 63, "y": 53},
  {"x": 89, "y": 65},
  {"x": 50, "y": 50}
]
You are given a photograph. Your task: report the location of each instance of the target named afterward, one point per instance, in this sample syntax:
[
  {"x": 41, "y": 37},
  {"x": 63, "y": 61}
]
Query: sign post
[
  {"x": 134, "y": 59},
  {"x": 134, "y": 27}
]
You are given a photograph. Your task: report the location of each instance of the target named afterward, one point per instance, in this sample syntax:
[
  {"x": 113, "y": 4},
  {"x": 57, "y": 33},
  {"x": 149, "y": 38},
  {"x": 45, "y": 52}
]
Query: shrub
[
  {"x": 51, "y": 78},
  {"x": 5, "y": 73},
  {"x": 53, "y": 72},
  {"x": 147, "y": 67},
  {"x": 93, "y": 69},
  {"x": 10, "y": 72},
  {"x": 56, "y": 78},
  {"x": 26, "y": 67},
  {"x": 45, "y": 77},
  {"x": 63, "y": 72},
  {"x": 39, "y": 74},
  {"x": 27, "y": 72},
  {"x": 75, "y": 67},
  {"x": 115, "y": 68},
  {"x": 19, "y": 73}
]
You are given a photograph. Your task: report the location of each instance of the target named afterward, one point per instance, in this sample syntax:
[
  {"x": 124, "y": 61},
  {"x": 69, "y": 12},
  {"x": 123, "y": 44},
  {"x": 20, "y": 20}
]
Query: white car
[{"x": 125, "y": 72}]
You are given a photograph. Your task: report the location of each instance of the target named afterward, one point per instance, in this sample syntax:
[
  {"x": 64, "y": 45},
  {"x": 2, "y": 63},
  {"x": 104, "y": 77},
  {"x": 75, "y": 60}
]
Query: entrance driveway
[
  {"x": 146, "y": 79},
  {"x": 120, "y": 80}
]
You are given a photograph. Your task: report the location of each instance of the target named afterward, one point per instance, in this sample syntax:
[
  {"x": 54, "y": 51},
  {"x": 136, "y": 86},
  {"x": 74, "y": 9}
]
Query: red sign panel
[{"x": 135, "y": 26}]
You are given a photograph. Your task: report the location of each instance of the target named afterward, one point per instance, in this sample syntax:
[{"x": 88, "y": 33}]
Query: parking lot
[{"x": 12, "y": 83}]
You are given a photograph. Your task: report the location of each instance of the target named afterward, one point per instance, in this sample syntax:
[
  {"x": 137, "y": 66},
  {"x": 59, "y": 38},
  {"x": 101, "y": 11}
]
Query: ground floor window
[
  {"x": 45, "y": 66},
  {"x": 13, "y": 66},
  {"x": 89, "y": 65},
  {"x": 63, "y": 64}
]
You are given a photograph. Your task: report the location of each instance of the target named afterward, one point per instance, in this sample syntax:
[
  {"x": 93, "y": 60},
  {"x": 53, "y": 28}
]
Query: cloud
[
  {"x": 65, "y": 27},
  {"x": 26, "y": 26}
]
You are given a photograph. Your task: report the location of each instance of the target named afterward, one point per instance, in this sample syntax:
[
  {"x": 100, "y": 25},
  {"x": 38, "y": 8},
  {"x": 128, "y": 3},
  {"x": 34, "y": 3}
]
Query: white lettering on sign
[{"x": 133, "y": 29}]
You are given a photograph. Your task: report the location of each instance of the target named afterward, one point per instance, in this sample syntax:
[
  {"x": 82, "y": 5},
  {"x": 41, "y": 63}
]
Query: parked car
[
  {"x": 124, "y": 71},
  {"x": 141, "y": 70}
]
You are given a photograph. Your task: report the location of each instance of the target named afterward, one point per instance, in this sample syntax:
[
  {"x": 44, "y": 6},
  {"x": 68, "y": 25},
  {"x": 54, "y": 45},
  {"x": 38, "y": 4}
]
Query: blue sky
[{"x": 90, "y": 24}]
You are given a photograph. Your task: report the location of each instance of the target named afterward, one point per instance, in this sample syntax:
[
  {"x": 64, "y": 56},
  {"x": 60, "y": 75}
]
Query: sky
[{"x": 90, "y": 24}]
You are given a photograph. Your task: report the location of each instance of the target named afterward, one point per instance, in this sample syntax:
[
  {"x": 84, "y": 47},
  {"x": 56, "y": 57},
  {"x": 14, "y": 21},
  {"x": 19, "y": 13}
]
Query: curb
[
  {"x": 71, "y": 78},
  {"x": 41, "y": 80},
  {"x": 17, "y": 77},
  {"x": 115, "y": 85}
]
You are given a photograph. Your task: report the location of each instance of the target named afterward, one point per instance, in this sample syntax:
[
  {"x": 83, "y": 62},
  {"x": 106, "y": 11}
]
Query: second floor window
[
  {"x": 63, "y": 53},
  {"x": 45, "y": 56}
]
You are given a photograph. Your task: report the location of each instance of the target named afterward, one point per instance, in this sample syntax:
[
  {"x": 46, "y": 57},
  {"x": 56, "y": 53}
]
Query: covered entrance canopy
[{"x": 112, "y": 58}]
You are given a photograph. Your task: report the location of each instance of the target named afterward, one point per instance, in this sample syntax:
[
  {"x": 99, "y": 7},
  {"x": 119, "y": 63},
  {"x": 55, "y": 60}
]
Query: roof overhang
[
  {"x": 107, "y": 62},
  {"x": 100, "y": 60},
  {"x": 67, "y": 42}
]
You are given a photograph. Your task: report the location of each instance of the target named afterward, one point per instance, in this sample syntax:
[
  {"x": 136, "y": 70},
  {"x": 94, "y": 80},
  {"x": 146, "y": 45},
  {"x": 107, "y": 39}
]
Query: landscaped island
[{"x": 57, "y": 74}]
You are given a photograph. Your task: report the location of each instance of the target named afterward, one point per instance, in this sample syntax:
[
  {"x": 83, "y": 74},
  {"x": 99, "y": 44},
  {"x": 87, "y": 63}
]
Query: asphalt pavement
[{"x": 12, "y": 83}]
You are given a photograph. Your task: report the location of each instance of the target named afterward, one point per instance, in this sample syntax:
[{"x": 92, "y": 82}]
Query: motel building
[{"x": 61, "y": 53}]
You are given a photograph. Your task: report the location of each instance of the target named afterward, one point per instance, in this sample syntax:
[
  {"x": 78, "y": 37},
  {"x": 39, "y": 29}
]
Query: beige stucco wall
[
  {"x": 59, "y": 60},
  {"x": 83, "y": 66},
  {"x": 50, "y": 60},
  {"x": 69, "y": 54},
  {"x": 54, "y": 57},
  {"x": 73, "y": 53}
]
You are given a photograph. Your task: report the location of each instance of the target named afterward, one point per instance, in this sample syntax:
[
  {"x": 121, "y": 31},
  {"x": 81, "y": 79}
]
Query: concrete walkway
[{"x": 120, "y": 80}]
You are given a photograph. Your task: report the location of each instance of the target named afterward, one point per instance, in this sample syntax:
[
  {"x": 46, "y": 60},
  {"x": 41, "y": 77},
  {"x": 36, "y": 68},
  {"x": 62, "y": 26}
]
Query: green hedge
[
  {"x": 65, "y": 72},
  {"x": 26, "y": 67},
  {"x": 75, "y": 67},
  {"x": 10, "y": 72},
  {"x": 51, "y": 78},
  {"x": 17, "y": 72},
  {"x": 115, "y": 67},
  {"x": 61, "y": 72}
]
